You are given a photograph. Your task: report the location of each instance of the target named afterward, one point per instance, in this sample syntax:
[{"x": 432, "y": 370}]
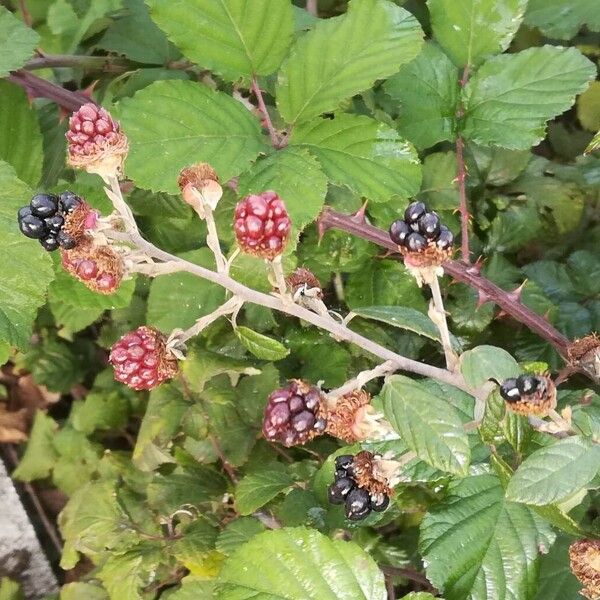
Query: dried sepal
[
  {"x": 199, "y": 185},
  {"x": 373, "y": 473},
  {"x": 584, "y": 556},
  {"x": 539, "y": 403},
  {"x": 584, "y": 354}
]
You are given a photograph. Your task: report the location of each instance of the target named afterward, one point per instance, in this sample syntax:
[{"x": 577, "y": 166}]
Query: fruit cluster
[
  {"x": 262, "y": 225},
  {"x": 529, "y": 394},
  {"x": 419, "y": 230},
  {"x": 358, "y": 501},
  {"x": 294, "y": 414},
  {"x": 44, "y": 218},
  {"x": 141, "y": 360}
]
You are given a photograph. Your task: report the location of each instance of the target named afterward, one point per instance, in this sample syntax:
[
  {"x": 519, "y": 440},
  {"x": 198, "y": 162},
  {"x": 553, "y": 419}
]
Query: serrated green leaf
[
  {"x": 40, "y": 455},
  {"x": 258, "y": 488},
  {"x": 367, "y": 156},
  {"x": 300, "y": 563},
  {"x": 556, "y": 581},
  {"x": 485, "y": 362},
  {"x": 82, "y": 591},
  {"x": 93, "y": 521},
  {"x": 297, "y": 177},
  {"x": 428, "y": 425},
  {"x": 172, "y": 124},
  {"x": 439, "y": 189},
  {"x": 100, "y": 410},
  {"x": 73, "y": 318},
  {"x": 20, "y": 296},
  {"x": 470, "y": 30},
  {"x": 562, "y": 19},
  {"x": 427, "y": 89},
  {"x": 474, "y": 541},
  {"x": 235, "y": 38},
  {"x": 179, "y": 299},
  {"x": 16, "y": 40},
  {"x": 135, "y": 36},
  {"x": 237, "y": 533},
  {"x": 262, "y": 346},
  {"x": 510, "y": 98},
  {"x": 20, "y": 137},
  {"x": 402, "y": 317},
  {"x": 344, "y": 55},
  {"x": 552, "y": 473}
]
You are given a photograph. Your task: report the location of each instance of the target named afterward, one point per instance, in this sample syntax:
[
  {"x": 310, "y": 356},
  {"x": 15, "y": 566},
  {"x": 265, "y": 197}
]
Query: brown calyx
[
  {"x": 303, "y": 278},
  {"x": 430, "y": 256},
  {"x": 367, "y": 474},
  {"x": 585, "y": 355},
  {"x": 196, "y": 175},
  {"x": 584, "y": 556},
  {"x": 345, "y": 418}
]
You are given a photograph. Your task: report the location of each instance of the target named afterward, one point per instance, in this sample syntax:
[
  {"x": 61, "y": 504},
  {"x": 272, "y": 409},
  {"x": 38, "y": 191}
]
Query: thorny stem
[
  {"x": 212, "y": 239},
  {"x": 469, "y": 275},
  {"x": 385, "y": 368},
  {"x": 276, "y": 266},
  {"x": 102, "y": 63},
  {"x": 265, "y": 113},
  {"x": 116, "y": 196},
  {"x": 461, "y": 179},
  {"x": 438, "y": 316},
  {"x": 26, "y": 14}
]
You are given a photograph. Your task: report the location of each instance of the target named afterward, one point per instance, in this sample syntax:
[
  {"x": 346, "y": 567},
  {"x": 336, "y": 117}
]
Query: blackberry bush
[{"x": 300, "y": 299}]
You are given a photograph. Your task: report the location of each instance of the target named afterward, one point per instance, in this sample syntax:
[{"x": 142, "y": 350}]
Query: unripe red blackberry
[
  {"x": 99, "y": 268},
  {"x": 262, "y": 225},
  {"x": 141, "y": 359},
  {"x": 95, "y": 141},
  {"x": 294, "y": 414}
]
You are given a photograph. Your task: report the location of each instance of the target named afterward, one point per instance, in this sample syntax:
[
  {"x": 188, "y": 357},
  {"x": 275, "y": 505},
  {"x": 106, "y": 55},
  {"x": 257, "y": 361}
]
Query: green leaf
[
  {"x": 100, "y": 410},
  {"x": 475, "y": 541},
  {"x": 297, "y": 177},
  {"x": 93, "y": 521},
  {"x": 82, "y": 591},
  {"x": 485, "y": 362},
  {"x": 20, "y": 139},
  {"x": 235, "y": 38},
  {"x": 40, "y": 455},
  {"x": 427, "y": 89},
  {"x": 17, "y": 42},
  {"x": 552, "y": 473},
  {"x": 260, "y": 487},
  {"x": 171, "y": 124},
  {"x": 428, "y": 425},
  {"x": 418, "y": 596},
  {"x": 363, "y": 154},
  {"x": 556, "y": 581},
  {"x": 300, "y": 563},
  {"x": 439, "y": 189},
  {"x": 137, "y": 37},
  {"x": 237, "y": 533},
  {"x": 562, "y": 19},
  {"x": 20, "y": 296},
  {"x": 403, "y": 318},
  {"x": 179, "y": 299},
  {"x": 503, "y": 101},
  {"x": 344, "y": 55},
  {"x": 260, "y": 345},
  {"x": 470, "y": 30},
  {"x": 10, "y": 590}
]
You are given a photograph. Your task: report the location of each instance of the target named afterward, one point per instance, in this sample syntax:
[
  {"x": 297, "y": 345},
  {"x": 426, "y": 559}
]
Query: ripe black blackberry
[
  {"x": 45, "y": 217},
  {"x": 359, "y": 501},
  {"x": 529, "y": 394},
  {"x": 421, "y": 237},
  {"x": 294, "y": 414}
]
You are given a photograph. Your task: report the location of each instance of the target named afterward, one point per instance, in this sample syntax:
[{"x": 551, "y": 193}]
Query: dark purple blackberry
[
  {"x": 54, "y": 223},
  {"x": 429, "y": 225},
  {"x": 33, "y": 227},
  {"x": 49, "y": 243},
  {"x": 44, "y": 205},
  {"x": 358, "y": 504},
  {"x": 66, "y": 241},
  {"x": 399, "y": 230},
  {"x": 344, "y": 462},
  {"x": 445, "y": 238},
  {"x": 415, "y": 242},
  {"x": 339, "y": 490},
  {"x": 293, "y": 414},
  {"x": 69, "y": 201},
  {"x": 379, "y": 502},
  {"x": 24, "y": 211},
  {"x": 527, "y": 384},
  {"x": 509, "y": 390},
  {"x": 414, "y": 211}
]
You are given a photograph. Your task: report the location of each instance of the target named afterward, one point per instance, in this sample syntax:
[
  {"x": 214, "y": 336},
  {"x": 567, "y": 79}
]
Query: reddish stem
[
  {"x": 37, "y": 87},
  {"x": 468, "y": 274},
  {"x": 26, "y": 14},
  {"x": 461, "y": 178},
  {"x": 263, "y": 109}
]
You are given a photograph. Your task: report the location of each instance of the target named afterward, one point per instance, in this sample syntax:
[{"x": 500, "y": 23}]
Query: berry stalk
[
  {"x": 265, "y": 113},
  {"x": 470, "y": 275},
  {"x": 438, "y": 316}
]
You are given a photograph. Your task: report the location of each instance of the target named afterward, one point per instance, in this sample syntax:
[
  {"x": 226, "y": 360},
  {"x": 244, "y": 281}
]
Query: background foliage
[{"x": 163, "y": 489}]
